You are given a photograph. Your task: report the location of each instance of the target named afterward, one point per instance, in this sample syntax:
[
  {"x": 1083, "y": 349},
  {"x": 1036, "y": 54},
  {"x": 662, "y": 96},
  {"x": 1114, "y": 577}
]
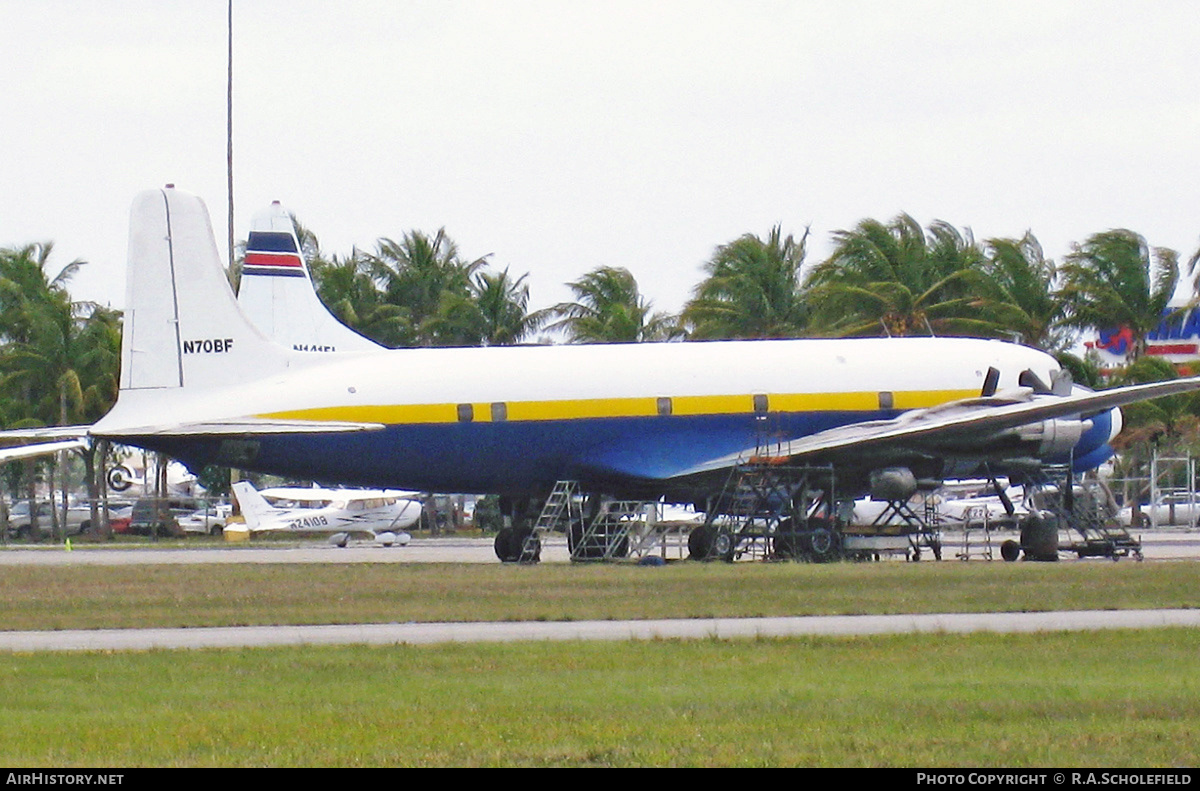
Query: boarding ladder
[
  {"x": 561, "y": 506},
  {"x": 610, "y": 533}
]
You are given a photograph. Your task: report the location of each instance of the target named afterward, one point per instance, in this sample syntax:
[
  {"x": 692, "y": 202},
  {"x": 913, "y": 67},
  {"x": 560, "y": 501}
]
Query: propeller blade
[
  {"x": 1031, "y": 380},
  {"x": 990, "y": 382}
]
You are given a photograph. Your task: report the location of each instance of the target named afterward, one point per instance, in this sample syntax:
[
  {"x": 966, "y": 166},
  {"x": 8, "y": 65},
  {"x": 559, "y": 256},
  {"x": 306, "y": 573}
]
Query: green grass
[
  {"x": 1121, "y": 698},
  {"x": 1067, "y": 699},
  {"x": 88, "y": 597}
]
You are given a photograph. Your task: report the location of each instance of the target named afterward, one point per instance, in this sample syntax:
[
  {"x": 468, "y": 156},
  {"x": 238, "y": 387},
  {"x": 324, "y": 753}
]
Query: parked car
[
  {"x": 1174, "y": 509},
  {"x": 21, "y": 526},
  {"x": 119, "y": 519},
  {"x": 206, "y": 521},
  {"x": 148, "y": 518}
]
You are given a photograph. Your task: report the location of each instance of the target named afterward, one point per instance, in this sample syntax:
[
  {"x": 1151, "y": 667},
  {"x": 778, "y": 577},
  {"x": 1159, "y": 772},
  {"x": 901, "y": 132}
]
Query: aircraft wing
[{"x": 955, "y": 423}]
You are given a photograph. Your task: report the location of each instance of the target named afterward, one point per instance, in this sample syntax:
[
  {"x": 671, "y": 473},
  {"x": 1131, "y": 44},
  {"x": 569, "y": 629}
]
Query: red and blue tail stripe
[{"x": 274, "y": 254}]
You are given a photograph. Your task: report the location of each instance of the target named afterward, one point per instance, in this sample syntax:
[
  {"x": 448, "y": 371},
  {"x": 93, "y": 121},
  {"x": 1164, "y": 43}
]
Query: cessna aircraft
[
  {"x": 306, "y": 510},
  {"x": 202, "y": 384}
]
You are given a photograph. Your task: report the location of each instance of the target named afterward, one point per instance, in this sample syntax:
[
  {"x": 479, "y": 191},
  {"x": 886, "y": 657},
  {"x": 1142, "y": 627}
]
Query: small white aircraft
[
  {"x": 202, "y": 384},
  {"x": 378, "y": 514}
]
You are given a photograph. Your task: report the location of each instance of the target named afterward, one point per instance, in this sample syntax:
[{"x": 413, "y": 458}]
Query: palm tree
[
  {"x": 415, "y": 273},
  {"x": 608, "y": 308},
  {"x": 60, "y": 359},
  {"x": 752, "y": 290},
  {"x": 898, "y": 280},
  {"x": 495, "y": 313},
  {"x": 1018, "y": 291},
  {"x": 1171, "y": 423},
  {"x": 1114, "y": 279},
  {"x": 1170, "y": 420},
  {"x": 346, "y": 287}
]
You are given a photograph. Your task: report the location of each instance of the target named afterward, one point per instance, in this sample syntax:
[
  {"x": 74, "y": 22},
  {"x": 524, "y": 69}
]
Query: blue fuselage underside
[{"x": 517, "y": 456}]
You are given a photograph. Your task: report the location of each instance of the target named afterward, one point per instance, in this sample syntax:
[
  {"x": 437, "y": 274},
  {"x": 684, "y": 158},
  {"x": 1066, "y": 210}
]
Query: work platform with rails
[{"x": 772, "y": 510}]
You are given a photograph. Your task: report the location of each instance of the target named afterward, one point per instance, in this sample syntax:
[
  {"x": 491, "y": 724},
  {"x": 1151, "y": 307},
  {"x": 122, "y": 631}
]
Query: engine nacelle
[
  {"x": 893, "y": 483},
  {"x": 1053, "y": 438}
]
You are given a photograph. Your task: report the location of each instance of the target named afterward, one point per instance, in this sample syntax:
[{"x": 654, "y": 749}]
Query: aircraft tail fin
[
  {"x": 253, "y": 506},
  {"x": 183, "y": 327},
  {"x": 278, "y": 295}
]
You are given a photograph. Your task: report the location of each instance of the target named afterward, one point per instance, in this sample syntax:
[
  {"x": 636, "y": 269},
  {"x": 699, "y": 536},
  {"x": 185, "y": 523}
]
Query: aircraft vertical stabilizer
[
  {"x": 277, "y": 291},
  {"x": 182, "y": 322},
  {"x": 253, "y": 505}
]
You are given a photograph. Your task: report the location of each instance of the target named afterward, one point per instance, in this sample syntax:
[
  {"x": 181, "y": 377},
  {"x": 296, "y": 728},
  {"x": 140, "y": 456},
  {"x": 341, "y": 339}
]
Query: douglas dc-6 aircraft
[{"x": 202, "y": 384}]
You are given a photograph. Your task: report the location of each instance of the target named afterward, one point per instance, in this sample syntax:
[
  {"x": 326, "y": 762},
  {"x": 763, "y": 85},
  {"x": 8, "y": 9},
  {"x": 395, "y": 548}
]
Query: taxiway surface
[{"x": 1174, "y": 544}]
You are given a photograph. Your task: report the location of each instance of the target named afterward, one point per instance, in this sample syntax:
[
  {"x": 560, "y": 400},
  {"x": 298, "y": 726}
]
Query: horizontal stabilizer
[
  {"x": 45, "y": 433},
  {"x": 243, "y": 427},
  {"x": 41, "y": 449}
]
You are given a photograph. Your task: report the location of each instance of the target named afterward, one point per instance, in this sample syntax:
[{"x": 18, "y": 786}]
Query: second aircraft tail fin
[
  {"x": 253, "y": 506},
  {"x": 277, "y": 292}
]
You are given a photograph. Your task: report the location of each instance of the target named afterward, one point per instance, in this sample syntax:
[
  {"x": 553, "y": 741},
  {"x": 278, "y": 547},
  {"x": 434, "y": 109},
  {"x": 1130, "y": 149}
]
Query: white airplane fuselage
[
  {"x": 326, "y": 510},
  {"x": 514, "y": 420}
]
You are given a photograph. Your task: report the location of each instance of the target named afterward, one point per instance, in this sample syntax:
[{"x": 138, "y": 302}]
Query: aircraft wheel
[
  {"x": 724, "y": 544},
  {"x": 503, "y": 546},
  {"x": 701, "y": 543},
  {"x": 824, "y": 544},
  {"x": 785, "y": 543},
  {"x": 591, "y": 550},
  {"x": 517, "y": 546},
  {"x": 1010, "y": 550},
  {"x": 574, "y": 539}
]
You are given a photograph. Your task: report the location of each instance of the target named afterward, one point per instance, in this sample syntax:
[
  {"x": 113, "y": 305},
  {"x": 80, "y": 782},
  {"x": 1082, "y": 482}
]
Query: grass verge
[
  {"x": 1066, "y": 699},
  {"x": 91, "y": 597}
]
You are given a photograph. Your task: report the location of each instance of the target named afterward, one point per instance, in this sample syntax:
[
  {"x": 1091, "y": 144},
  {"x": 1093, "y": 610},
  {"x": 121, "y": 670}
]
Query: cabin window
[
  {"x": 886, "y": 401},
  {"x": 761, "y": 404},
  {"x": 499, "y": 412},
  {"x": 466, "y": 413},
  {"x": 664, "y": 406}
]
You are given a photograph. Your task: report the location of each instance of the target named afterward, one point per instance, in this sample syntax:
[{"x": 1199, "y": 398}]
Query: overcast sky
[{"x": 561, "y": 136}]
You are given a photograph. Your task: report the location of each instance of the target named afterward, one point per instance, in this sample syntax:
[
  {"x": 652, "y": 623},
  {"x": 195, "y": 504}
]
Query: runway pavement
[
  {"x": 724, "y": 628},
  {"x": 1173, "y": 544}
]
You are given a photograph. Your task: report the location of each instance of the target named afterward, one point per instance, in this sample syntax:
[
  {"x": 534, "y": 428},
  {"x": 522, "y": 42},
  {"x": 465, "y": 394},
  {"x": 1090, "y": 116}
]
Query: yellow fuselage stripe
[{"x": 585, "y": 408}]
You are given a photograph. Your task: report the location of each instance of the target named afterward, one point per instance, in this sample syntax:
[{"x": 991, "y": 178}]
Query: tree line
[
  {"x": 59, "y": 358},
  {"x": 882, "y": 279}
]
